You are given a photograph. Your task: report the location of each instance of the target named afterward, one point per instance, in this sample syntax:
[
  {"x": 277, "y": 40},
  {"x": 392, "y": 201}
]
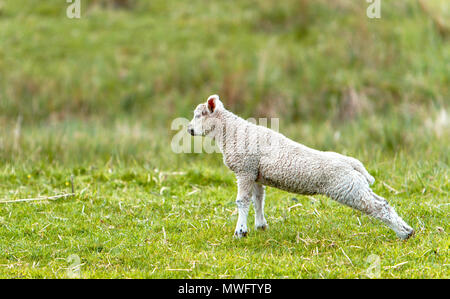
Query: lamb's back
[{"x": 297, "y": 168}]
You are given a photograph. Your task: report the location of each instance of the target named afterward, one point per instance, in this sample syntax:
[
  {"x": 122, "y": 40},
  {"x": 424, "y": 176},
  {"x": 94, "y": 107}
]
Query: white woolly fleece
[{"x": 260, "y": 156}]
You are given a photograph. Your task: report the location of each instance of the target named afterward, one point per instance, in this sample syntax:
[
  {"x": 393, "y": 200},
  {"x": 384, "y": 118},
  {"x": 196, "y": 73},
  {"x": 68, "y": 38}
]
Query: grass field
[{"x": 94, "y": 98}]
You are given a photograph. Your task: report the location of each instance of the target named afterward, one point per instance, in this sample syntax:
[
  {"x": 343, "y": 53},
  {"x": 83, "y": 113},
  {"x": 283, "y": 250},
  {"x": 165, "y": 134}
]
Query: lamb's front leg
[
  {"x": 258, "y": 204},
  {"x": 245, "y": 190}
]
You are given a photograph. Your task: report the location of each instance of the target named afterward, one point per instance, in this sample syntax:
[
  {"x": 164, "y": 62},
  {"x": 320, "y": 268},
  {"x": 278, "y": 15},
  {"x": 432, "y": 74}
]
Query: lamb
[{"x": 261, "y": 157}]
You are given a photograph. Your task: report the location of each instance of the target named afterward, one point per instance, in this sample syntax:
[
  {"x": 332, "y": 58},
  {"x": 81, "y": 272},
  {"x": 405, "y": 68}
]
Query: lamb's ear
[{"x": 214, "y": 103}]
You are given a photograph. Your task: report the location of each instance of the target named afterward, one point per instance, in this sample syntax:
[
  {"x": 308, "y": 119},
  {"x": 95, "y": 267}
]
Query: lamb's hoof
[
  {"x": 240, "y": 234},
  {"x": 262, "y": 227},
  {"x": 411, "y": 233},
  {"x": 407, "y": 234}
]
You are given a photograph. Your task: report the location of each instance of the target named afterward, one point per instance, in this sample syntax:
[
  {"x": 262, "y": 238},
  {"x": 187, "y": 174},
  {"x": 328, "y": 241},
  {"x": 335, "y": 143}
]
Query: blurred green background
[
  {"x": 140, "y": 64},
  {"x": 95, "y": 98}
]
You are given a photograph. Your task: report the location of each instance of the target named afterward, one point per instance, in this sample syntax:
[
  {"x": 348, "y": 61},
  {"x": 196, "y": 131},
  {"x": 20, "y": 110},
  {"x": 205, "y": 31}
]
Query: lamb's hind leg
[
  {"x": 358, "y": 195},
  {"x": 389, "y": 216},
  {"x": 258, "y": 204}
]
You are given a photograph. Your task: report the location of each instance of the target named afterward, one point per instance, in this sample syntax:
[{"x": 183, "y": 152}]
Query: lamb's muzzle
[{"x": 259, "y": 156}]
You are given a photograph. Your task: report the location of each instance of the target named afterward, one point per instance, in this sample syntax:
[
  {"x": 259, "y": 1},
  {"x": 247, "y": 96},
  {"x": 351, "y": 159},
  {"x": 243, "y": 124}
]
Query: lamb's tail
[{"x": 356, "y": 164}]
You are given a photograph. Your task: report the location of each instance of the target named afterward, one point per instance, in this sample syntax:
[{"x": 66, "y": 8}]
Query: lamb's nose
[{"x": 191, "y": 131}]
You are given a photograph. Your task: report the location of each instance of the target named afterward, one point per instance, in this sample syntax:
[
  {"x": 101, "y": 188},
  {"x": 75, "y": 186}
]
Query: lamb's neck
[{"x": 230, "y": 122}]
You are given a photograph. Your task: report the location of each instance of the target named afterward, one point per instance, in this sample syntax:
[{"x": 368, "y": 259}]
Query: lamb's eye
[{"x": 203, "y": 112}]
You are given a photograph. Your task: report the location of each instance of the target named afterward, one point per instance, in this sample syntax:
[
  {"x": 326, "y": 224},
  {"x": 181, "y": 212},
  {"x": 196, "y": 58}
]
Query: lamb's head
[{"x": 206, "y": 120}]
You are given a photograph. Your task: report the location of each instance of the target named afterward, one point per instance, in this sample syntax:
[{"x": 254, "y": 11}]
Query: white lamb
[{"x": 260, "y": 156}]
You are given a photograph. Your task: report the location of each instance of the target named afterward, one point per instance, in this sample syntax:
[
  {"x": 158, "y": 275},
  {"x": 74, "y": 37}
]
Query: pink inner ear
[{"x": 211, "y": 104}]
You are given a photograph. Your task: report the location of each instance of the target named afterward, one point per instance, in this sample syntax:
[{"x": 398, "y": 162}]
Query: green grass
[
  {"x": 133, "y": 217},
  {"x": 94, "y": 99}
]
